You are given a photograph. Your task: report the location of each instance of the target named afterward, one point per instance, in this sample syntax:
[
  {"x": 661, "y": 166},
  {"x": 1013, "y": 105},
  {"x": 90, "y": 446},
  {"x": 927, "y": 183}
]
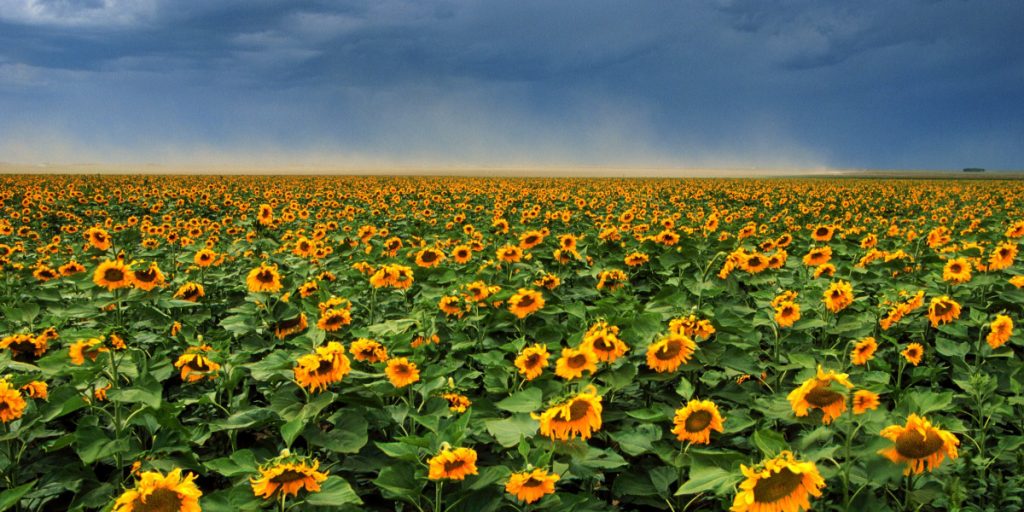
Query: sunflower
[
  {"x": 754, "y": 263},
  {"x": 364, "y": 349},
  {"x": 1000, "y": 331},
  {"x": 864, "y": 351},
  {"x": 605, "y": 343},
  {"x": 191, "y": 292},
  {"x": 288, "y": 476},
  {"x": 525, "y": 302},
  {"x": 530, "y": 239},
  {"x": 156, "y": 492},
  {"x": 402, "y": 372},
  {"x": 266, "y": 215},
  {"x": 669, "y": 352},
  {"x": 863, "y": 400},
  {"x": 838, "y": 296},
  {"x": 823, "y": 233},
  {"x": 82, "y": 349},
  {"x": 264, "y": 278},
  {"x": 779, "y": 484},
  {"x": 823, "y": 270},
  {"x": 452, "y": 464},
  {"x": 1003, "y": 256},
  {"x": 98, "y": 238},
  {"x": 462, "y": 253},
  {"x": 112, "y": 274},
  {"x": 456, "y": 402},
  {"x": 943, "y": 310},
  {"x": 578, "y": 416},
  {"x": 551, "y": 281},
  {"x": 71, "y": 268},
  {"x": 574, "y": 362},
  {"x": 1017, "y": 281},
  {"x": 324, "y": 366},
  {"x": 695, "y": 422},
  {"x": 920, "y": 444},
  {"x": 36, "y": 389},
  {"x": 12, "y": 404},
  {"x": 45, "y": 273},
  {"x": 635, "y": 259},
  {"x": 957, "y": 271},
  {"x": 510, "y": 254},
  {"x": 204, "y": 257},
  {"x": 451, "y": 306},
  {"x": 913, "y": 353},
  {"x": 332, "y": 319},
  {"x": 25, "y": 346},
  {"x": 532, "y": 361},
  {"x": 691, "y": 326},
  {"x": 148, "y": 278},
  {"x": 531, "y": 486},
  {"x": 290, "y": 326},
  {"x": 787, "y": 313},
  {"x": 818, "y": 393},
  {"x": 428, "y": 257},
  {"x": 195, "y": 364}
]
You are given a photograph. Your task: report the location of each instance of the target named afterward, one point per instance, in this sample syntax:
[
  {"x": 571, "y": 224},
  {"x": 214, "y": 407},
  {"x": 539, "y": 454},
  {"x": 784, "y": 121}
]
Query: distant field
[{"x": 242, "y": 343}]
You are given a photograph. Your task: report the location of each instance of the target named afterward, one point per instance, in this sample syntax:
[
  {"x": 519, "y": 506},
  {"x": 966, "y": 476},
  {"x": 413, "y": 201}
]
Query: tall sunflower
[
  {"x": 604, "y": 342},
  {"x": 670, "y": 352},
  {"x": 289, "y": 326},
  {"x": 919, "y": 444},
  {"x": 574, "y": 362},
  {"x": 1000, "y": 331},
  {"x": 112, "y": 275},
  {"x": 787, "y": 313},
  {"x": 838, "y": 296},
  {"x": 819, "y": 392},
  {"x": 779, "y": 484},
  {"x": 402, "y": 372},
  {"x": 195, "y": 364},
  {"x": 191, "y": 292},
  {"x": 264, "y": 278},
  {"x": 364, "y": 349},
  {"x": 695, "y": 422},
  {"x": 864, "y": 351},
  {"x": 155, "y": 491},
  {"x": 148, "y": 278},
  {"x": 532, "y": 361},
  {"x": 578, "y": 416},
  {"x": 12, "y": 404},
  {"x": 525, "y": 302},
  {"x": 324, "y": 366},
  {"x": 452, "y": 464},
  {"x": 957, "y": 271},
  {"x": 943, "y": 310},
  {"x": 531, "y": 486}
]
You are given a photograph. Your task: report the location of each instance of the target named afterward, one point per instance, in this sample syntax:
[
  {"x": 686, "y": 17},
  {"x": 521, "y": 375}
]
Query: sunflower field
[{"x": 242, "y": 343}]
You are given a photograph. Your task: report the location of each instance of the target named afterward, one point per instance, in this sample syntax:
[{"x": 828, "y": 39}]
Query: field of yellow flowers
[{"x": 467, "y": 344}]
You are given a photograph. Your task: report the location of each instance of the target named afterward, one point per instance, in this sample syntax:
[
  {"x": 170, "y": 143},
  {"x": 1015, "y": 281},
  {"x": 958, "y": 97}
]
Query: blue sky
[{"x": 867, "y": 84}]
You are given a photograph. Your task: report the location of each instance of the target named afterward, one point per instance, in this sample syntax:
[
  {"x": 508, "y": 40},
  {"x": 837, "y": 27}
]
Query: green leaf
[
  {"x": 334, "y": 492},
  {"x": 144, "y": 391},
  {"x": 11, "y": 497},
  {"x": 637, "y": 440},
  {"x": 291, "y": 430},
  {"x": 527, "y": 400},
  {"x": 684, "y": 388},
  {"x": 398, "y": 481},
  {"x": 707, "y": 478},
  {"x": 508, "y": 431},
  {"x": 241, "y": 462},
  {"x": 349, "y": 434},
  {"x": 769, "y": 442}
]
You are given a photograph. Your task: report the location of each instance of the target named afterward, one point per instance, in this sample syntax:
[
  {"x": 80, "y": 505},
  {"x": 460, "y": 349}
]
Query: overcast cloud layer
[{"x": 872, "y": 84}]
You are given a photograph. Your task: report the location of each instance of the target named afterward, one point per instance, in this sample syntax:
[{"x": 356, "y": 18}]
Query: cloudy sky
[{"x": 866, "y": 84}]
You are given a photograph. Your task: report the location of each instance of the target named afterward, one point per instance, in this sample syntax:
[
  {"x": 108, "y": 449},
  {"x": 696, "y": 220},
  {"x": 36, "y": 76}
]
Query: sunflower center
[
  {"x": 288, "y": 324},
  {"x": 22, "y": 346},
  {"x": 822, "y": 396},
  {"x": 697, "y": 421},
  {"x": 577, "y": 361},
  {"x": 754, "y": 261},
  {"x": 532, "y": 360},
  {"x": 401, "y": 370},
  {"x": 777, "y": 486},
  {"x": 912, "y": 445},
  {"x": 265, "y": 276},
  {"x": 821, "y": 231},
  {"x": 956, "y": 268},
  {"x": 191, "y": 293},
  {"x": 113, "y": 275},
  {"x": 453, "y": 465},
  {"x": 602, "y": 344},
  {"x": 533, "y": 482},
  {"x": 146, "y": 276},
  {"x": 671, "y": 349},
  {"x": 198, "y": 364},
  {"x": 287, "y": 476},
  {"x": 942, "y": 308},
  {"x": 461, "y": 254},
  {"x": 429, "y": 256},
  {"x": 787, "y": 311},
  {"x": 578, "y": 410},
  {"x": 160, "y": 500},
  {"x": 526, "y": 301}
]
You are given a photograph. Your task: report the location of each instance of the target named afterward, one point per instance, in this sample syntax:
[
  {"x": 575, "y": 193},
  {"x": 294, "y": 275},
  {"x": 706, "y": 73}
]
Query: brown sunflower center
[
  {"x": 755, "y": 261},
  {"x": 334, "y": 319},
  {"x": 942, "y": 308},
  {"x": 190, "y": 293},
  {"x": 697, "y": 421},
  {"x": 113, "y": 275},
  {"x": 821, "y": 231},
  {"x": 453, "y": 465},
  {"x": 198, "y": 364},
  {"x": 401, "y": 370},
  {"x": 787, "y": 311},
  {"x": 577, "y": 361},
  {"x": 578, "y": 410},
  {"x": 22, "y": 346},
  {"x": 602, "y": 344},
  {"x": 265, "y": 276},
  {"x": 822, "y": 396},
  {"x": 669, "y": 350},
  {"x": 288, "y": 324},
  {"x": 287, "y": 476},
  {"x": 461, "y": 253},
  {"x": 956, "y": 268},
  {"x": 325, "y": 367},
  {"x": 525, "y": 301},
  {"x": 429, "y": 256},
  {"x": 532, "y": 360},
  {"x": 146, "y": 276},
  {"x": 912, "y": 445},
  {"x": 160, "y": 500},
  {"x": 777, "y": 486},
  {"x": 533, "y": 482}
]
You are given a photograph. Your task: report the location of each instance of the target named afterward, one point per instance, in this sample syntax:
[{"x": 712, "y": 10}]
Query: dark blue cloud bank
[{"x": 865, "y": 84}]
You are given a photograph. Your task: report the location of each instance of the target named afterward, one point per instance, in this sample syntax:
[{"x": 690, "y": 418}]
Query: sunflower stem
[{"x": 437, "y": 495}]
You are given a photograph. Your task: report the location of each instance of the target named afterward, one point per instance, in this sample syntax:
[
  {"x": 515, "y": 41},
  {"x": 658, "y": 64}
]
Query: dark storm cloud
[{"x": 935, "y": 84}]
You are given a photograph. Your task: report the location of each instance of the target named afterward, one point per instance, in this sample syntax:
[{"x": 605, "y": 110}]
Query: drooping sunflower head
[
  {"x": 452, "y": 464},
  {"x": 864, "y": 400},
  {"x": 288, "y": 475},
  {"x": 670, "y": 352},
  {"x": 1000, "y": 331},
  {"x": 457, "y": 402},
  {"x": 779, "y": 484},
  {"x": 264, "y": 278},
  {"x": 195, "y": 364},
  {"x": 838, "y": 296},
  {"x": 943, "y": 310},
  {"x": 148, "y": 277},
  {"x": 156, "y": 492},
  {"x": 86, "y": 349},
  {"x": 864, "y": 351},
  {"x": 324, "y": 366},
  {"x": 333, "y": 319},
  {"x": 605, "y": 344},
  {"x": 25, "y": 347},
  {"x": 531, "y": 486},
  {"x": 289, "y": 326},
  {"x": 695, "y": 421},
  {"x": 825, "y": 391},
  {"x": 532, "y": 361},
  {"x": 12, "y": 404},
  {"x": 191, "y": 292},
  {"x": 373, "y": 351},
  {"x": 919, "y": 444},
  {"x": 579, "y": 416}
]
